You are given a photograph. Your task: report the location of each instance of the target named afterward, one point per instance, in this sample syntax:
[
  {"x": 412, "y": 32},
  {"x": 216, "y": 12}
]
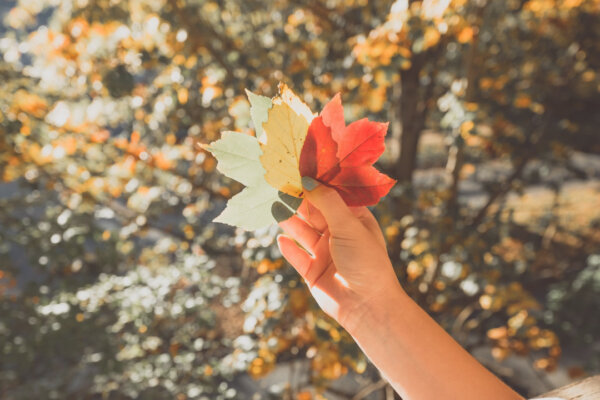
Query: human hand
[
  {"x": 348, "y": 270},
  {"x": 350, "y": 275}
]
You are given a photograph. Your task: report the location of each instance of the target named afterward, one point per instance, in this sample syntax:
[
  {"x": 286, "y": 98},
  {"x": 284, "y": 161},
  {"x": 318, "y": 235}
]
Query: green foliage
[{"x": 153, "y": 337}]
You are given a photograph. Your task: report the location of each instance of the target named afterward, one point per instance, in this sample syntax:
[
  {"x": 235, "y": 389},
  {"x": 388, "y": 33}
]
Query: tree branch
[{"x": 370, "y": 388}]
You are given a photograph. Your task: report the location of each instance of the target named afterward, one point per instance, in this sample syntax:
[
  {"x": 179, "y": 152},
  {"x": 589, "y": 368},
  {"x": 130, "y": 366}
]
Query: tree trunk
[{"x": 410, "y": 121}]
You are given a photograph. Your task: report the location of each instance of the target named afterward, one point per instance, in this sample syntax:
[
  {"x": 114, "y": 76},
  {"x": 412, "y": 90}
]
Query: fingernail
[
  {"x": 309, "y": 183},
  {"x": 280, "y": 211},
  {"x": 290, "y": 201}
]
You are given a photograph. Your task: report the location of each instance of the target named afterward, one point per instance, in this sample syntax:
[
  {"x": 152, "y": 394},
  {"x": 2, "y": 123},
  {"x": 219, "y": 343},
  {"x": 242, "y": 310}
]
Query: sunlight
[{"x": 341, "y": 280}]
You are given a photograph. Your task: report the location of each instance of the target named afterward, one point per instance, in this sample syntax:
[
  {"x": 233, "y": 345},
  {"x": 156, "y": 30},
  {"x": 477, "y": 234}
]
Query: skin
[{"x": 342, "y": 257}]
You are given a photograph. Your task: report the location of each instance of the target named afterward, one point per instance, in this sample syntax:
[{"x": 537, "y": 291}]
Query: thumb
[{"x": 328, "y": 201}]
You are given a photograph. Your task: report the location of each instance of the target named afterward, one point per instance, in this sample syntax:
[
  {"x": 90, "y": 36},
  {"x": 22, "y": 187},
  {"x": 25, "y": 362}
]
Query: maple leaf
[
  {"x": 251, "y": 208},
  {"x": 265, "y": 163},
  {"x": 291, "y": 142},
  {"x": 259, "y": 204},
  {"x": 285, "y": 128},
  {"x": 259, "y": 111},
  {"x": 342, "y": 156},
  {"x": 361, "y": 142},
  {"x": 318, "y": 158},
  {"x": 291, "y": 99},
  {"x": 361, "y": 185},
  {"x": 237, "y": 157}
]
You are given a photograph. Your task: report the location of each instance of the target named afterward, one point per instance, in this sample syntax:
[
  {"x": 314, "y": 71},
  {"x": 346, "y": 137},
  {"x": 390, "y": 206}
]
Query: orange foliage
[{"x": 29, "y": 103}]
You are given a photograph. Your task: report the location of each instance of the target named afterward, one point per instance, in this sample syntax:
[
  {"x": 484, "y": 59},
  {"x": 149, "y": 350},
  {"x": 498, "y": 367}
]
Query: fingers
[
  {"x": 306, "y": 235},
  {"x": 335, "y": 211},
  {"x": 368, "y": 220},
  {"x": 315, "y": 219},
  {"x": 310, "y": 268},
  {"x": 321, "y": 262},
  {"x": 313, "y": 216},
  {"x": 296, "y": 256}
]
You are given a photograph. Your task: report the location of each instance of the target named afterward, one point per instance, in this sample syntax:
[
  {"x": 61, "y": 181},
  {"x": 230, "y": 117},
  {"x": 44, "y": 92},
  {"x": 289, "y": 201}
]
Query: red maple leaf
[{"x": 342, "y": 156}]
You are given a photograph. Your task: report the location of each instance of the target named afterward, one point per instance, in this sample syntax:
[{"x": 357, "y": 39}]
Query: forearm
[{"x": 419, "y": 359}]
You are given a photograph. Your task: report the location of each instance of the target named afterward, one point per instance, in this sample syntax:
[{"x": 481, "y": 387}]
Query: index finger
[
  {"x": 336, "y": 213},
  {"x": 368, "y": 220},
  {"x": 312, "y": 216}
]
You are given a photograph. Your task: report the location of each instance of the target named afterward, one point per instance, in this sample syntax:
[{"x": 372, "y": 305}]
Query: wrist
[{"x": 376, "y": 310}]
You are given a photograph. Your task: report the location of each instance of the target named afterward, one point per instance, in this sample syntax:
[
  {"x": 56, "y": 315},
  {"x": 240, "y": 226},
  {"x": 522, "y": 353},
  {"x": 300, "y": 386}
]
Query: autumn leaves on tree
[{"x": 291, "y": 143}]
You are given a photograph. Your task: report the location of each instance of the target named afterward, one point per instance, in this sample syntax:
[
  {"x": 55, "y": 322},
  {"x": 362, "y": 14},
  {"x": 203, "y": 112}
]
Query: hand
[
  {"x": 351, "y": 277},
  {"x": 348, "y": 270}
]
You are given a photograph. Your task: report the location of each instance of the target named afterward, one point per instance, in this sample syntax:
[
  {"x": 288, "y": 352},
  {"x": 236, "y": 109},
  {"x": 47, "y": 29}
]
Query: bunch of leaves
[{"x": 292, "y": 143}]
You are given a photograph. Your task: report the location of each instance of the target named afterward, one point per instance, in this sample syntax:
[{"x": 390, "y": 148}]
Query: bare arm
[
  {"x": 351, "y": 277},
  {"x": 419, "y": 359}
]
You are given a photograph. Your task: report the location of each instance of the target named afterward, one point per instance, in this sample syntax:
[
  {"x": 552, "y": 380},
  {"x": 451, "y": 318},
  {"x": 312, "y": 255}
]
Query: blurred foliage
[{"x": 114, "y": 284}]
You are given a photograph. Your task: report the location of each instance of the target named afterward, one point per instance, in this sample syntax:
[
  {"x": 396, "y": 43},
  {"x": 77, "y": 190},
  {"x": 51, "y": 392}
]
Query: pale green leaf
[
  {"x": 237, "y": 157},
  {"x": 250, "y": 209},
  {"x": 259, "y": 111}
]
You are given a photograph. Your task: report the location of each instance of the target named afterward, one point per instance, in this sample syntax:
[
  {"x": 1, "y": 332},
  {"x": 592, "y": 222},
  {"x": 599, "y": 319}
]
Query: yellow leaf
[
  {"x": 291, "y": 99},
  {"x": 286, "y": 130}
]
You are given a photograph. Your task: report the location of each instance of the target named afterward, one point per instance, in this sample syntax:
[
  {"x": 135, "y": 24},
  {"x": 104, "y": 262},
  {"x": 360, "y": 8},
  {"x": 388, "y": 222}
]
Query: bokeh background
[{"x": 114, "y": 284}]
